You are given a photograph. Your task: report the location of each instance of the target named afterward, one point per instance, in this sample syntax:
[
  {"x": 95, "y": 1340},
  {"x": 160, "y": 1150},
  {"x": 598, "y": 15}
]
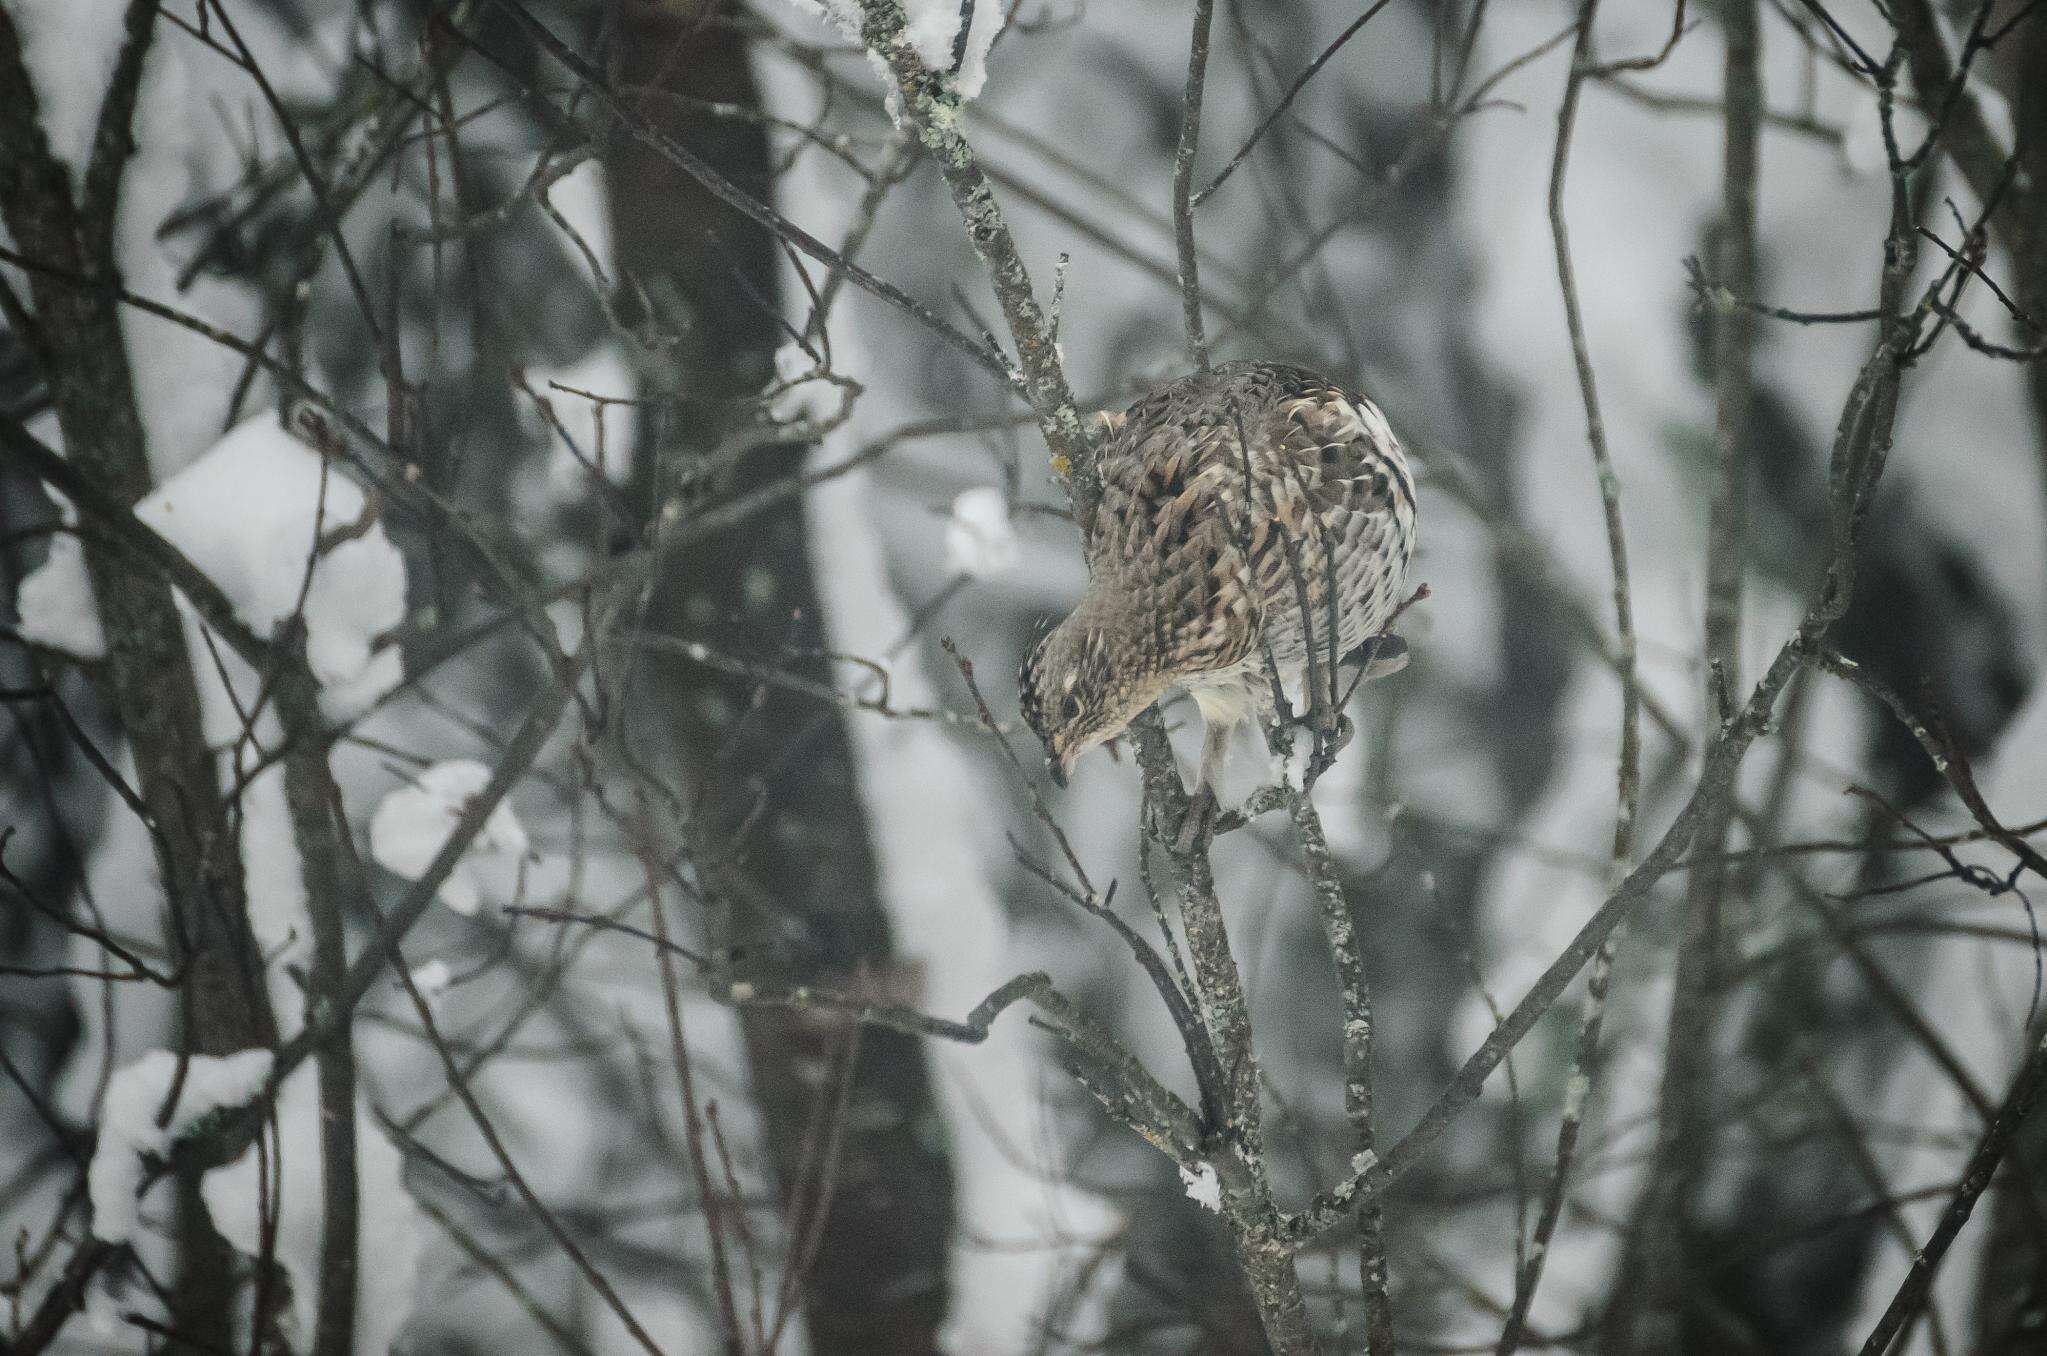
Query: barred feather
[{"x": 1229, "y": 498}]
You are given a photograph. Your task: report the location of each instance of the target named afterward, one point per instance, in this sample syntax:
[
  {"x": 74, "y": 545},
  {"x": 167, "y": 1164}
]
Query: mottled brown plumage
[{"x": 1228, "y": 498}]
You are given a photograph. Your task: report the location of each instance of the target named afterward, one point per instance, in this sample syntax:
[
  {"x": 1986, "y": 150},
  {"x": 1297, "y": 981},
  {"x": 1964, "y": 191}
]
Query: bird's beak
[{"x": 1057, "y": 767}]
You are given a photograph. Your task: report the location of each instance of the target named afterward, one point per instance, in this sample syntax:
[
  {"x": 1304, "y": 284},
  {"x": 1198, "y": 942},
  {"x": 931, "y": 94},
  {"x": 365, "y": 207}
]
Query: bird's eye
[{"x": 1070, "y": 708}]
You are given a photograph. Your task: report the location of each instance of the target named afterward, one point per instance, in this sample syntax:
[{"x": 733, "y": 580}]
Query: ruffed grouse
[{"x": 1229, "y": 499}]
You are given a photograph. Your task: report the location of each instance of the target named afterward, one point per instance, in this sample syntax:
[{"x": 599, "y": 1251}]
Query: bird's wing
[
  {"x": 1222, "y": 505},
  {"x": 1331, "y": 518},
  {"x": 1334, "y": 473},
  {"x": 1168, "y": 529}
]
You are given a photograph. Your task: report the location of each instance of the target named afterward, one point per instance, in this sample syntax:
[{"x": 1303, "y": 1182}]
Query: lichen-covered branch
[
  {"x": 1237, "y": 1152},
  {"x": 933, "y": 108},
  {"x": 1339, "y": 925}
]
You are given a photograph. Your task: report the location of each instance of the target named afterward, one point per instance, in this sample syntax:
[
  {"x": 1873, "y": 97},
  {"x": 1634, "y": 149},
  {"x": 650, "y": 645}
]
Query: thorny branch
[{"x": 932, "y": 105}]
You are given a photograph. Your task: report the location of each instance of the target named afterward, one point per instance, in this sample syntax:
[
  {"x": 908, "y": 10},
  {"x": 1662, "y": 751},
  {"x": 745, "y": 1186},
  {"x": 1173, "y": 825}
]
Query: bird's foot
[
  {"x": 1261, "y": 801},
  {"x": 1332, "y": 730}
]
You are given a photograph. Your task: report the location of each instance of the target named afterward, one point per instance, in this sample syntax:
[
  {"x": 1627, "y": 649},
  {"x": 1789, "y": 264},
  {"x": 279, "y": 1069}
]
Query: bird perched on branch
[{"x": 1254, "y": 519}]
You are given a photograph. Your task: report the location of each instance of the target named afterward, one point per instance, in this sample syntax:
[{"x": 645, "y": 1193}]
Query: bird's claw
[{"x": 1331, "y": 730}]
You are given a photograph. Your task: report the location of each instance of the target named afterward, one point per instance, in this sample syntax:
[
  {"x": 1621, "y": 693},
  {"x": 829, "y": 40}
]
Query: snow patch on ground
[{"x": 128, "y": 1128}]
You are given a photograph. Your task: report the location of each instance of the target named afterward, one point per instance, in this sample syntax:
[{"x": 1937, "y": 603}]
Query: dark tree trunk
[
  {"x": 780, "y": 803},
  {"x": 148, "y": 684}
]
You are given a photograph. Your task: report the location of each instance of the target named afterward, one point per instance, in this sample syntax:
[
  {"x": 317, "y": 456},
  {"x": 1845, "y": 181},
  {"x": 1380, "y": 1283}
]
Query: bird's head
[{"x": 1082, "y": 684}]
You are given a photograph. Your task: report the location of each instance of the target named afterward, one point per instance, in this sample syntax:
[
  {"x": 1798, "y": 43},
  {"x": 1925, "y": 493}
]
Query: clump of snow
[
  {"x": 1203, "y": 1188},
  {"x": 69, "y": 49},
  {"x": 432, "y": 979},
  {"x": 128, "y": 1128},
  {"x": 800, "y": 391},
  {"x": 413, "y": 823},
  {"x": 55, "y": 603},
  {"x": 980, "y": 540},
  {"x": 388, "y": 1233},
  {"x": 102, "y": 1309},
  {"x": 933, "y": 30},
  {"x": 250, "y": 514}
]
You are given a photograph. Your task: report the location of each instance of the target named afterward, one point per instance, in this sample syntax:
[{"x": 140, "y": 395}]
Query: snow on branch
[
  {"x": 282, "y": 533},
  {"x": 933, "y": 29},
  {"x": 133, "y": 1125},
  {"x": 55, "y": 603},
  {"x": 414, "y": 822},
  {"x": 388, "y": 1228}
]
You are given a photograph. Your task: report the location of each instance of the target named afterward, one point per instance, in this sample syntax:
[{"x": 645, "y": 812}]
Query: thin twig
[
  {"x": 1628, "y": 775},
  {"x": 1183, "y": 175},
  {"x": 1339, "y": 925},
  {"x": 1286, "y": 100}
]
